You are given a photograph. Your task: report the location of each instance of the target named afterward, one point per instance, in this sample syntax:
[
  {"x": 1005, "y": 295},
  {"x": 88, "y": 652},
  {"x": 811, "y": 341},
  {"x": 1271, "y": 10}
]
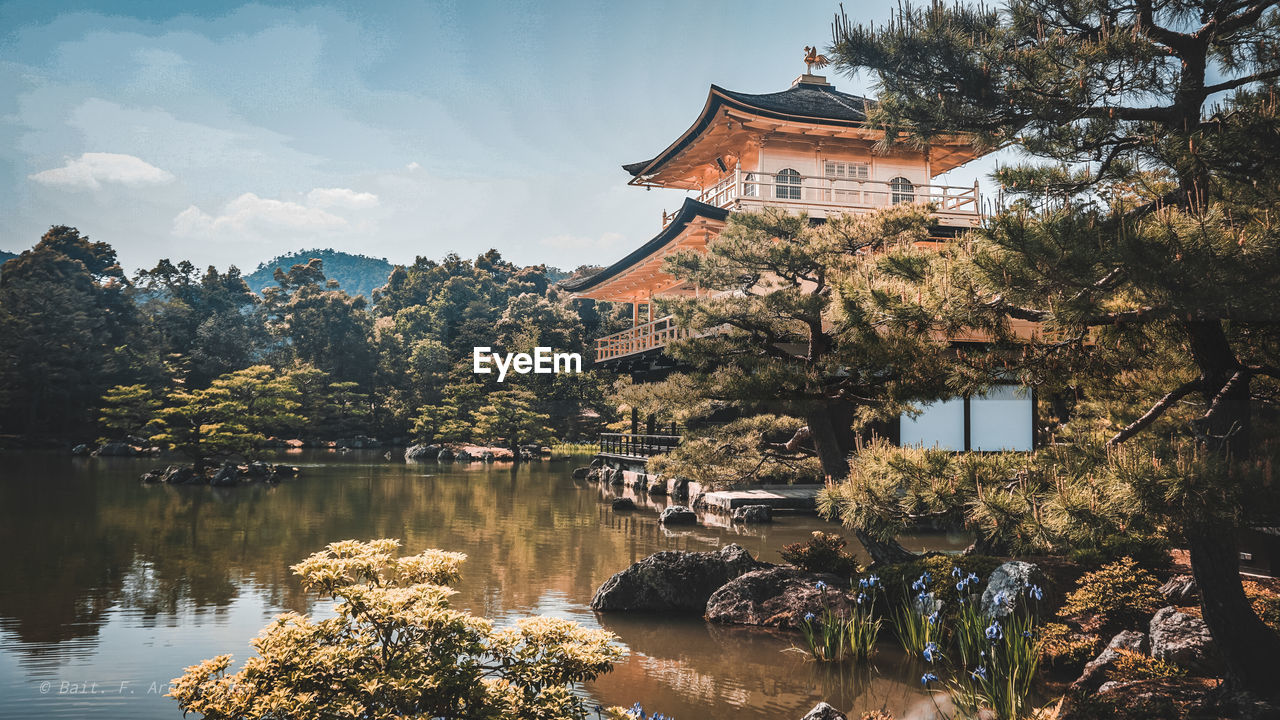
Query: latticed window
[
  {"x": 902, "y": 190},
  {"x": 749, "y": 187},
  {"x": 787, "y": 184},
  {"x": 837, "y": 170}
]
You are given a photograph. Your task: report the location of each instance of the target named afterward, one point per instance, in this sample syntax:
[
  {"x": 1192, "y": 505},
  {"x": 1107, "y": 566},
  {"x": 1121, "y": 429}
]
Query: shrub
[
  {"x": 1131, "y": 666},
  {"x": 1065, "y": 649},
  {"x": 1116, "y": 596},
  {"x": 823, "y": 553},
  {"x": 396, "y": 648}
]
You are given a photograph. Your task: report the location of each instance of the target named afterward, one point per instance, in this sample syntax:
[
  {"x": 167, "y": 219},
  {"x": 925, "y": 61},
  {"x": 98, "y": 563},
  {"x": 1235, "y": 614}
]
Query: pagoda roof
[
  {"x": 688, "y": 212},
  {"x": 803, "y": 102}
]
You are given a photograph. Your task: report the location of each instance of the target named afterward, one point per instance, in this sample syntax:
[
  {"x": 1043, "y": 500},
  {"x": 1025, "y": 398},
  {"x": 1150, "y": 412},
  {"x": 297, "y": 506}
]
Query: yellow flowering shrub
[{"x": 397, "y": 649}]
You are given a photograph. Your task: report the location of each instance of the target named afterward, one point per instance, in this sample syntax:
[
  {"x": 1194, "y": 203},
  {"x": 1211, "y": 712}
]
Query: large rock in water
[
  {"x": 228, "y": 476},
  {"x": 753, "y": 514},
  {"x": 673, "y": 580},
  {"x": 778, "y": 596},
  {"x": 823, "y": 711},
  {"x": 1095, "y": 671},
  {"x": 1007, "y": 586},
  {"x": 678, "y": 515},
  {"x": 1185, "y": 640},
  {"x": 421, "y": 452}
]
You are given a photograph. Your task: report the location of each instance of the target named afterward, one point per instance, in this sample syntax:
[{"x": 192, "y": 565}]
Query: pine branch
[
  {"x": 1241, "y": 81},
  {"x": 1155, "y": 412}
]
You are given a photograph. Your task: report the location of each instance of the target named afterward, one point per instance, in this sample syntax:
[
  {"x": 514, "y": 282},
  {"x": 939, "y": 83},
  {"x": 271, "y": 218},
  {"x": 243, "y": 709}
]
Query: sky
[{"x": 229, "y": 133}]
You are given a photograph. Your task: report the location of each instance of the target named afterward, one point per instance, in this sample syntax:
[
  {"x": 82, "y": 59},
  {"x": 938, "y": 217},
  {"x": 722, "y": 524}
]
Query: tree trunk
[
  {"x": 883, "y": 552},
  {"x": 836, "y": 467},
  {"x": 1250, "y": 649},
  {"x": 825, "y": 442}
]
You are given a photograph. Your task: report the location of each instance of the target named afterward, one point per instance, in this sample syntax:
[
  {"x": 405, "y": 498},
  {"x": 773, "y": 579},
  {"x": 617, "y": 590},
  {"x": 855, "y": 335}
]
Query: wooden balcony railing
[
  {"x": 638, "y": 339},
  {"x": 826, "y": 195},
  {"x": 637, "y": 446}
]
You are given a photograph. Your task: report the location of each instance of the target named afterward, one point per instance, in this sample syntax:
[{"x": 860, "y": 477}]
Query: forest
[{"x": 96, "y": 355}]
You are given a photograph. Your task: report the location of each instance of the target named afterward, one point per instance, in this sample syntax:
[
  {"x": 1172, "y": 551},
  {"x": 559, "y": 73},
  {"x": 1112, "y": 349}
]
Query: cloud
[
  {"x": 250, "y": 214},
  {"x": 341, "y": 197},
  {"x": 91, "y": 170}
]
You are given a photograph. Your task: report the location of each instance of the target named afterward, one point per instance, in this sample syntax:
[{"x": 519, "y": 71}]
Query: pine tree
[
  {"x": 510, "y": 415},
  {"x": 230, "y": 418},
  {"x": 785, "y": 341},
  {"x": 126, "y": 410},
  {"x": 1143, "y": 238}
]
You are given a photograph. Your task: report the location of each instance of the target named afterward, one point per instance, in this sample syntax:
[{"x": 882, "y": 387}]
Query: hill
[
  {"x": 6, "y": 256},
  {"x": 357, "y": 274}
]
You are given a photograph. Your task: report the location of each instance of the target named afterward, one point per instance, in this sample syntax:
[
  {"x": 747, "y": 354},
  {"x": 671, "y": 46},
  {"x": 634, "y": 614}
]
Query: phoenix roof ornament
[{"x": 813, "y": 60}]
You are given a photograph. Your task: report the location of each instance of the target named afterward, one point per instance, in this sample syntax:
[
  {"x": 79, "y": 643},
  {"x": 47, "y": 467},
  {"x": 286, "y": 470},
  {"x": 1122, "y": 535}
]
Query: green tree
[
  {"x": 1144, "y": 238},
  {"x": 204, "y": 322},
  {"x": 232, "y": 417},
  {"x": 510, "y": 415},
  {"x": 397, "y": 648},
  {"x": 318, "y": 324},
  {"x": 66, "y": 319},
  {"x": 452, "y": 419},
  {"x": 126, "y": 410}
]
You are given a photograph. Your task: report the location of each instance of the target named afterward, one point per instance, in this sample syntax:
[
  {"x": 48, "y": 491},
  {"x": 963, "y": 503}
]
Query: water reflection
[{"x": 108, "y": 580}]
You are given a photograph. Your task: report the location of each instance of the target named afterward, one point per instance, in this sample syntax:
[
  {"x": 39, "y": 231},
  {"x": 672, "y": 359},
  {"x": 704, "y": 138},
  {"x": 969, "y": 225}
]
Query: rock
[
  {"x": 294, "y": 444},
  {"x": 1006, "y": 588},
  {"x": 753, "y": 514},
  {"x": 673, "y": 580},
  {"x": 462, "y": 456},
  {"x": 678, "y": 515},
  {"x": 680, "y": 488},
  {"x": 623, "y": 504},
  {"x": 1095, "y": 671},
  {"x": 180, "y": 475},
  {"x": 259, "y": 471},
  {"x": 487, "y": 456},
  {"x": 1185, "y": 640},
  {"x": 777, "y": 596},
  {"x": 81, "y": 450},
  {"x": 228, "y": 476},
  {"x": 581, "y": 473},
  {"x": 285, "y": 470},
  {"x": 823, "y": 711},
  {"x": 445, "y": 455},
  {"x": 153, "y": 476},
  {"x": 656, "y": 485},
  {"x": 1180, "y": 589},
  {"x": 421, "y": 452},
  {"x": 117, "y": 449}
]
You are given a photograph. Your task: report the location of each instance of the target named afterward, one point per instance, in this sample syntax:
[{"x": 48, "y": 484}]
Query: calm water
[{"x": 108, "y": 588}]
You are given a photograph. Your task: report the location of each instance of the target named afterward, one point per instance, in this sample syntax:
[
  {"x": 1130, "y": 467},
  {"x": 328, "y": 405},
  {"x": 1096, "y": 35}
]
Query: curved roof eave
[
  {"x": 688, "y": 212},
  {"x": 758, "y": 105}
]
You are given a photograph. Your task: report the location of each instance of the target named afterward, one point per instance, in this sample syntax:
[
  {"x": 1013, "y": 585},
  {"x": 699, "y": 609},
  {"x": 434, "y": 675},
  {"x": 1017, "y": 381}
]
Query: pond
[{"x": 109, "y": 588}]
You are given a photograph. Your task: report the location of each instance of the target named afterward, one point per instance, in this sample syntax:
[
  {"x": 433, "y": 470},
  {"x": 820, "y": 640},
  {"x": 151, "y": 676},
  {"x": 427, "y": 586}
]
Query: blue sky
[{"x": 227, "y": 133}]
